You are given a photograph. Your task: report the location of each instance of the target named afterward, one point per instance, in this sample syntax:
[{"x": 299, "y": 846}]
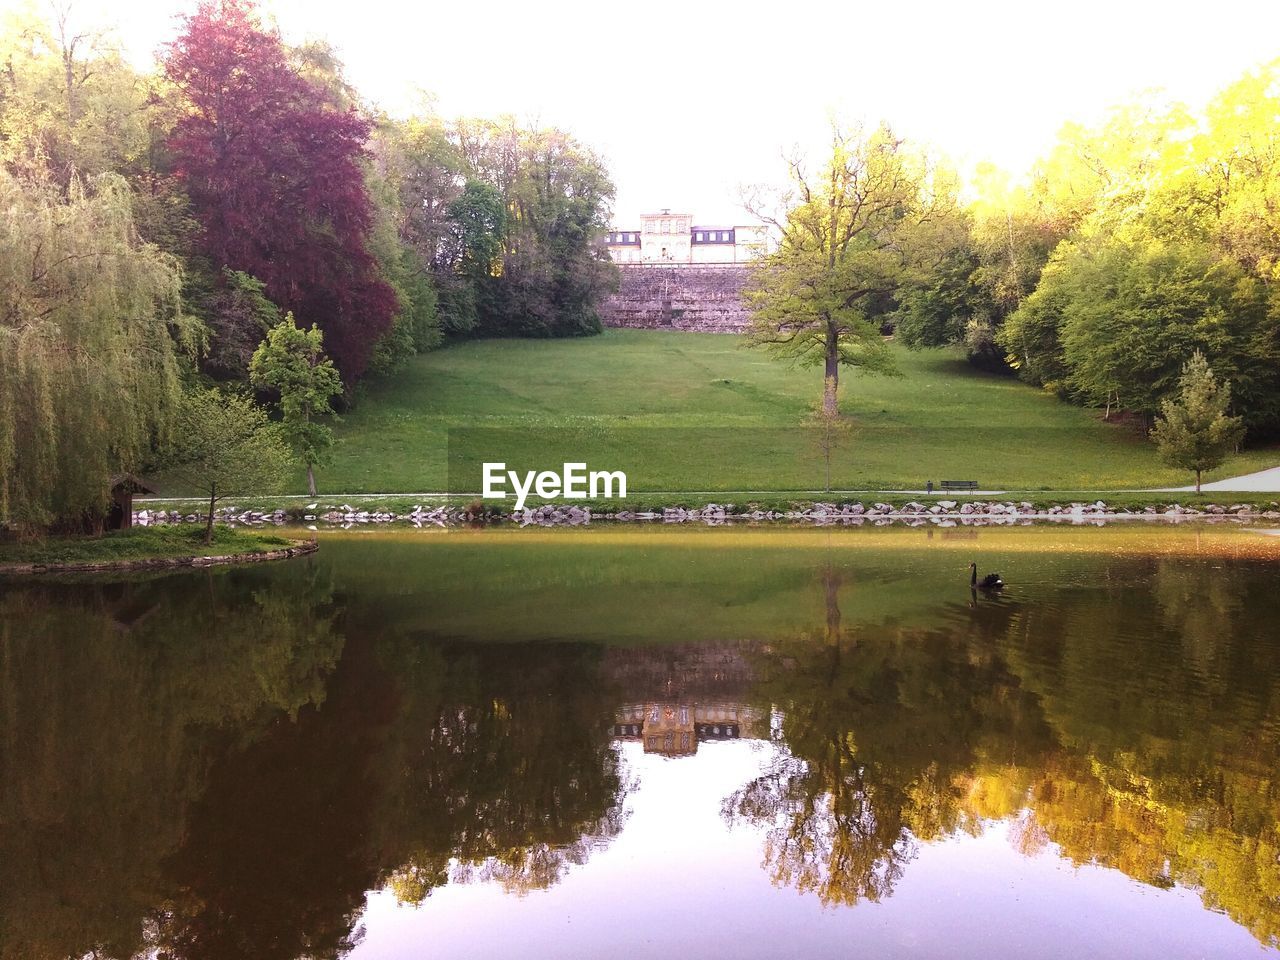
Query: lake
[{"x": 636, "y": 742}]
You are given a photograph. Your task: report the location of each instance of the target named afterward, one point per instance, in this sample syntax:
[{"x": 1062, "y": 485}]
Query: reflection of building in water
[
  {"x": 676, "y": 729},
  {"x": 681, "y": 696}
]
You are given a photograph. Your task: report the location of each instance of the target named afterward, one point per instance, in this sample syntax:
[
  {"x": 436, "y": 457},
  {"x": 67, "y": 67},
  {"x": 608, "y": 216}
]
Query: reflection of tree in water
[
  {"x": 426, "y": 763},
  {"x": 115, "y": 697},
  {"x": 196, "y": 779},
  {"x": 1132, "y": 722},
  {"x": 206, "y": 768},
  {"x": 1166, "y": 705},
  {"x": 515, "y": 778},
  {"x": 878, "y": 737},
  {"x": 1201, "y": 610}
]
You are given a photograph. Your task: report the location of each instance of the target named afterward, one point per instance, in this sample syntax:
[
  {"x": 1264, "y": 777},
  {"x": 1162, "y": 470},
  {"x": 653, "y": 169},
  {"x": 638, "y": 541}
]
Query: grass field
[
  {"x": 693, "y": 412},
  {"x": 139, "y": 543}
]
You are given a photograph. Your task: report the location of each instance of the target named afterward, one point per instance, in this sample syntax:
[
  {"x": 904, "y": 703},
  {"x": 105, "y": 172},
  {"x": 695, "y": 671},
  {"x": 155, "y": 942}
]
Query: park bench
[{"x": 959, "y": 484}]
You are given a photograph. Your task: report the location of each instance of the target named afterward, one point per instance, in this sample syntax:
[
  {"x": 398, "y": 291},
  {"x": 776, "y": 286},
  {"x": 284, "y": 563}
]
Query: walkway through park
[{"x": 1264, "y": 481}]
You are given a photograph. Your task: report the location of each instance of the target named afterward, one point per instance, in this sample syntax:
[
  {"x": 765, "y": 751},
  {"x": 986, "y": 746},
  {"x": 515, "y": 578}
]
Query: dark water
[{"x": 563, "y": 744}]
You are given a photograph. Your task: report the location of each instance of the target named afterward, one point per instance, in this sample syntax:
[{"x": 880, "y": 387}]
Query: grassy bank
[
  {"x": 140, "y": 543},
  {"x": 690, "y": 412}
]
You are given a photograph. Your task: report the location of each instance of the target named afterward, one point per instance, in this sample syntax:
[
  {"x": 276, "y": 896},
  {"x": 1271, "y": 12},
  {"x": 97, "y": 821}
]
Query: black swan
[{"x": 991, "y": 581}]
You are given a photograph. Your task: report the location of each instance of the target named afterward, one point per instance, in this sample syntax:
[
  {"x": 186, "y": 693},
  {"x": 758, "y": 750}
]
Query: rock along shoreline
[{"x": 943, "y": 513}]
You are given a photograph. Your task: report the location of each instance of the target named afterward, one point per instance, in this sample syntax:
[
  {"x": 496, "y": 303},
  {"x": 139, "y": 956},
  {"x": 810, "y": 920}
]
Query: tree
[
  {"x": 70, "y": 105},
  {"x": 225, "y": 446},
  {"x": 848, "y": 234},
  {"x": 276, "y": 178},
  {"x": 553, "y": 270},
  {"x": 1195, "y": 432},
  {"x": 830, "y": 432},
  {"x": 292, "y": 363},
  {"x": 238, "y": 315},
  {"x": 88, "y": 358}
]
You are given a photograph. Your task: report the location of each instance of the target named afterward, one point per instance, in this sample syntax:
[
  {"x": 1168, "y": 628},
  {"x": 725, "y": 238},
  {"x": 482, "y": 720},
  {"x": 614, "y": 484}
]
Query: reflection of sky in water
[{"x": 677, "y": 881}]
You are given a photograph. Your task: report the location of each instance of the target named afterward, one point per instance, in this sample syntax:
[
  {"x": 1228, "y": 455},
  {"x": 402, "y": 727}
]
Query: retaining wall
[{"x": 698, "y": 298}]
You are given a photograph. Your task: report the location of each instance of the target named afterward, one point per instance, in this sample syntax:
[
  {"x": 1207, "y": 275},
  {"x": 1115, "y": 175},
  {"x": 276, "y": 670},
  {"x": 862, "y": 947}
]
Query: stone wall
[{"x": 703, "y": 299}]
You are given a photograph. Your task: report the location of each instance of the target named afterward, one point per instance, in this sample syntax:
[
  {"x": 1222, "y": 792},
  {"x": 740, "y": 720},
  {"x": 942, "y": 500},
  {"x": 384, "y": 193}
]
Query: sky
[{"x": 688, "y": 101}]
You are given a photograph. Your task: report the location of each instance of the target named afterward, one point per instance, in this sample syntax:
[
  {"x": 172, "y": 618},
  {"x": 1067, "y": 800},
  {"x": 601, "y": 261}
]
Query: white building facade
[{"x": 667, "y": 237}]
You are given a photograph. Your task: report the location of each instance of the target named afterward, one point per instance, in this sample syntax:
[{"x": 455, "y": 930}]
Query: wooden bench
[{"x": 959, "y": 485}]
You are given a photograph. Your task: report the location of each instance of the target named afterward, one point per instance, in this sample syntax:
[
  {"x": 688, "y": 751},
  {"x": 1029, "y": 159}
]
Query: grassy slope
[{"x": 683, "y": 411}]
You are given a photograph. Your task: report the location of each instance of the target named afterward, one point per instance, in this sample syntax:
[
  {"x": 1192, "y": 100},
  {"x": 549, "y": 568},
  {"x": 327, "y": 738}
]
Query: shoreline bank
[{"x": 297, "y": 548}]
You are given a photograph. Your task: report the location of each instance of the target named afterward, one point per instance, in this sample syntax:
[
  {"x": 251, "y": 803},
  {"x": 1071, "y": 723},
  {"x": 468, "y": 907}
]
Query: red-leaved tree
[{"x": 273, "y": 169}]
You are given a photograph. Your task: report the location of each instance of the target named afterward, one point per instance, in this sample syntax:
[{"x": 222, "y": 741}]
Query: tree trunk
[
  {"x": 208, "y": 524},
  {"x": 831, "y": 377},
  {"x": 831, "y": 588},
  {"x": 1197, "y": 481},
  {"x": 311, "y": 480}
]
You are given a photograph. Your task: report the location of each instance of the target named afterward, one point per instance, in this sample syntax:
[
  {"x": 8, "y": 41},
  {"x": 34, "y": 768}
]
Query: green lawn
[
  {"x": 139, "y": 543},
  {"x": 695, "y": 412}
]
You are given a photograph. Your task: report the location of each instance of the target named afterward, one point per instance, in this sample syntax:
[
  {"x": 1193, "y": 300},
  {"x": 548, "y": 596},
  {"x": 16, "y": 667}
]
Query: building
[
  {"x": 123, "y": 487},
  {"x": 672, "y": 238}
]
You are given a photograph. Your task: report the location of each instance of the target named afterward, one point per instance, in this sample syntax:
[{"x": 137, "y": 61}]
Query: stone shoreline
[
  {"x": 300, "y": 548},
  {"x": 941, "y": 513}
]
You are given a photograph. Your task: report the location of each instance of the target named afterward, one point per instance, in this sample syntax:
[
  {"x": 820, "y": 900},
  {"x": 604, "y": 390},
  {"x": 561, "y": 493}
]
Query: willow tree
[
  {"x": 88, "y": 356},
  {"x": 849, "y": 234}
]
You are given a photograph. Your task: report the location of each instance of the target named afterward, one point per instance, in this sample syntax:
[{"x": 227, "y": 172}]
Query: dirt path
[{"x": 1264, "y": 481}]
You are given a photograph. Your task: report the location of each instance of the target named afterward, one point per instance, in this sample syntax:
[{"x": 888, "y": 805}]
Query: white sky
[{"x": 689, "y": 99}]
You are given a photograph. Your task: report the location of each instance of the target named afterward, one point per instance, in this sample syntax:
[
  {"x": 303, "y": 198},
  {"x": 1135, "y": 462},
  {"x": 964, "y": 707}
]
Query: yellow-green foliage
[{"x": 88, "y": 362}]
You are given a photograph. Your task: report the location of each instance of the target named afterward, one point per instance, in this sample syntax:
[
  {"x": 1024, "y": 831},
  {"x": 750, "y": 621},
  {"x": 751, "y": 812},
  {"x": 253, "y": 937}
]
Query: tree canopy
[
  {"x": 1127, "y": 247},
  {"x": 850, "y": 231},
  {"x": 292, "y": 364},
  {"x": 91, "y": 336},
  {"x": 273, "y": 168}
]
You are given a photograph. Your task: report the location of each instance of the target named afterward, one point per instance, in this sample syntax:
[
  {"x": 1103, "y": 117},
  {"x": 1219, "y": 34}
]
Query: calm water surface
[{"x": 651, "y": 742}]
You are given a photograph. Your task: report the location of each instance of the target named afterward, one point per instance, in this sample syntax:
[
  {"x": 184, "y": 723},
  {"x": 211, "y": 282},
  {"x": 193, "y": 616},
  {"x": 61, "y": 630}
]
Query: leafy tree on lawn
[
  {"x": 849, "y": 235},
  {"x": 275, "y": 171},
  {"x": 226, "y": 446},
  {"x": 1195, "y": 432},
  {"x": 292, "y": 363}
]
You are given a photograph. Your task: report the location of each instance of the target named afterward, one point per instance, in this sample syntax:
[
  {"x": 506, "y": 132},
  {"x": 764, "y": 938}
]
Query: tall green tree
[
  {"x": 1195, "y": 431},
  {"x": 225, "y": 446},
  {"x": 849, "y": 233},
  {"x": 292, "y": 363},
  {"x": 89, "y": 364}
]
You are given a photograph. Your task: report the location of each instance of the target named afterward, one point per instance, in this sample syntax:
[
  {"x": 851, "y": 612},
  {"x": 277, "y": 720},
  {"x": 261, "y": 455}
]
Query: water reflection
[{"x": 223, "y": 764}]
